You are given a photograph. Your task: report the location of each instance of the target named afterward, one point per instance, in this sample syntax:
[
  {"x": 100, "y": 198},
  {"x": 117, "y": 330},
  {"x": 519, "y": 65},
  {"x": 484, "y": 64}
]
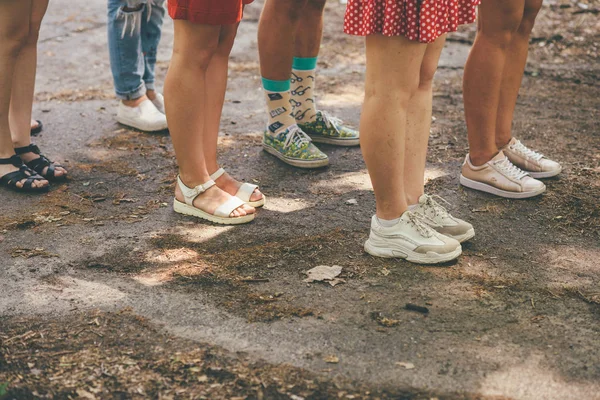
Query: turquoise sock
[{"x": 278, "y": 97}]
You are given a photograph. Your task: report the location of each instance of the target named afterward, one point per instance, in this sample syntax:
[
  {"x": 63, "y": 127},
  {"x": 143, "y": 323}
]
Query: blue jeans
[{"x": 133, "y": 38}]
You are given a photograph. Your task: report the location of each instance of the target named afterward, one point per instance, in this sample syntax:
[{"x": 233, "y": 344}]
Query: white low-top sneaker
[
  {"x": 500, "y": 177},
  {"x": 530, "y": 161},
  {"x": 144, "y": 117},
  {"x": 159, "y": 102},
  {"x": 412, "y": 240},
  {"x": 437, "y": 217}
]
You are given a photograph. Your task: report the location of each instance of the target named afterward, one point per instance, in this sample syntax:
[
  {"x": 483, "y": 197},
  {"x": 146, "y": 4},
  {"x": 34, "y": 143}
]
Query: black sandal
[
  {"x": 40, "y": 163},
  {"x": 11, "y": 179},
  {"x": 37, "y": 129}
]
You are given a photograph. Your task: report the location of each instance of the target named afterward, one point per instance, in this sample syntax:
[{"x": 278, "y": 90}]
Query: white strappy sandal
[
  {"x": 245, "y": 191},
  {"x": 222, "y": 214}
]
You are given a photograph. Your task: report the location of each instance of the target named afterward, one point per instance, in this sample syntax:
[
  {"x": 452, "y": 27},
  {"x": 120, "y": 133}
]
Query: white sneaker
[
  {"x": 412, "y": 240},
  {"x": 438, "y": 218},
  {"x": 159, "y": 102},
  {"x": 500, "y": 177},
  {"x": 144, "y": 117},
  {"x": 530, "y": 161}
]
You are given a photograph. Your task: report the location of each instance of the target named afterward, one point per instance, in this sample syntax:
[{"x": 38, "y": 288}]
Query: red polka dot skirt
[{"x": 418, "y": 20}]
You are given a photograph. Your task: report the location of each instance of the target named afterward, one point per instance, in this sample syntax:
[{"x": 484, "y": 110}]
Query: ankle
[
  {"x": 501, "y": 142},
  {"x": 478, "y": 159},
  {"x": 134, "y": 102}
]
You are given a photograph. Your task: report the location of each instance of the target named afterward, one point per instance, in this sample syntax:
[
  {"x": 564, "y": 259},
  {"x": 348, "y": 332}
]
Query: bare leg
[
  {"x": 216, "y": 85},
  {"x": 194, "y": 47},
  {"x": 310, "y": 32},
  {"x": 14, "y": 30},
  {"x": 276, "y": 30},
  {"x": 513, "y": 73},
  {"x": 21, "y": 101},
  {"x": 419, "y": 124},
  {"x": 498, "y": 22},
  {"x": 384, "y": 116}
]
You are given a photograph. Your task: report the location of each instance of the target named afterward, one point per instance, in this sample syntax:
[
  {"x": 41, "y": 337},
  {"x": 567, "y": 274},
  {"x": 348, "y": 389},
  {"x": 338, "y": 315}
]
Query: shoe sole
[
  {"x": 409, "y": 255},
  {"x": 258, "y": 203},
  {"x": 335, "y": 142},
  {"x": 131, "y": 124},
  {"x": 542, "y": 175},
  {"x": 182, "y": 208},
  {"x": 484, "y": 187},
  {"x": 463, "y": 238},
  {"x": 295, "y": 162}
]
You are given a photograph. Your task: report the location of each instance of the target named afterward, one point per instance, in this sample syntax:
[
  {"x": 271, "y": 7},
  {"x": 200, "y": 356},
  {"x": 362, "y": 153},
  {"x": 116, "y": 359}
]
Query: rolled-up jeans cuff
[
  {"x": 132, "y": 95},
  {"x": 150, "y": 85}
]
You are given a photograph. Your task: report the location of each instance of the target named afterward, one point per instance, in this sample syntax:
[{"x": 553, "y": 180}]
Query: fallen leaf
[
  {"x": 323, "y": 273},
  {"x": 406, "y": 365},
  {"x": 331, "y": 359}
]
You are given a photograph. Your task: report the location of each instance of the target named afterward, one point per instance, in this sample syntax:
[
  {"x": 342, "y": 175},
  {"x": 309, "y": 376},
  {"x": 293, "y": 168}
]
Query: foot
[
  {"x": 226, "y": 183},
  {"x": 8, "y": 168},
  {"x": 411, "y": 239},
  {"x": 327, "y": 129},
  {"x": 294, "y": 147},
  {"x": 36, "y": 126},
  {"x": 438, "y": 218},
  {"x": 530, "y": 161},
  {"x": 500, "y": 177},
  {"x": 144, "y": 116},
  {"x": 58, "y": 171},
  {"x": 159, "y": 102},
  {"x": 210, "y": 200}
]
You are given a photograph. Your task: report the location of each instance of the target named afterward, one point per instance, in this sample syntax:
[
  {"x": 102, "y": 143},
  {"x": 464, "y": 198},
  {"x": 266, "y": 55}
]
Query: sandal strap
[
  {"x": 191, "y": 193},
  {"x": 32, "y": 148},
  {"x": 246, "y": 191},
  {"x": 218, "y": 173},
  {"x": 13, "y": 160},
  {"x": 24, "y": 172},
  {"x": 225, "y": 209}
]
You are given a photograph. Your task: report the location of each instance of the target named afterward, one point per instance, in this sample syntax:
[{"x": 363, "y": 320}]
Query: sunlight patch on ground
[
  {"x": 533, "y": 380},
  {"x": 286, "y": 205}
]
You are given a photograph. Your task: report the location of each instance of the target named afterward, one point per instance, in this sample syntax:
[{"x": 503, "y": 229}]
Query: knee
[
  {"x": 532, "y": 9},
  {"x": 316, "y": 5},
  {"x": 196, "y": 57},
  {"x": 15, "y": 41},
  {"x": 505, "y": 26},
  {"x": 427, "y": 74},
  {"x": 292, "y": 8},
  {"x": 391, "y": 96}
]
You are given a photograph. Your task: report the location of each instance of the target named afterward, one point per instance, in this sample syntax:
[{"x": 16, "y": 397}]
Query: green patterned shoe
[
  {"x": 330, "y": 130},
  {"x": 294, "y": 147}
]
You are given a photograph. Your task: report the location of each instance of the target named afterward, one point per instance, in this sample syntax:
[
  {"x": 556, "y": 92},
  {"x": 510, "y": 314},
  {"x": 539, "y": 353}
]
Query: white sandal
[
  {"x": 244, "y": 192},
  {"x": 222, "y": 214}
]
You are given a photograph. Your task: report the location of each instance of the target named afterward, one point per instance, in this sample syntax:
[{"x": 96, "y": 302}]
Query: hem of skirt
[
  {"x": 420, "y": 40},
  {"x": 198, "y": 17}
]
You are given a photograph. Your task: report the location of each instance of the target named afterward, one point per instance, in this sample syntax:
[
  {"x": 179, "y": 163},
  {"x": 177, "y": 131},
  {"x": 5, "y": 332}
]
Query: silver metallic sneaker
[
  {"x": 411, "y": 239},
  {"x": 438, "y": 218}
]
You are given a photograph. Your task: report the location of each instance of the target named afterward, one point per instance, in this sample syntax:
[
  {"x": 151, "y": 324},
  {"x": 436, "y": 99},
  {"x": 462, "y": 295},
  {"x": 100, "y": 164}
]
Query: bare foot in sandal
[
  {"x": 32, "y": 156},
  {"x": 247, "y": 192},
  {"x": 210, "y": 200},
  {"x": 15, "y": 175}
]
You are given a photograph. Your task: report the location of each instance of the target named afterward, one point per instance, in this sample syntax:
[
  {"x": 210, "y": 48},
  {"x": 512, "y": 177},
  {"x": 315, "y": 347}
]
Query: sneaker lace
[
  {"x": 331, "y": 121},
  {"x": 296, "y": 136},
  {"x": 521, "y": 148},
  {"x": 510, "y": 170},
  {"x": 421, "y": 227},
  {"x": 437, "y": 208}
]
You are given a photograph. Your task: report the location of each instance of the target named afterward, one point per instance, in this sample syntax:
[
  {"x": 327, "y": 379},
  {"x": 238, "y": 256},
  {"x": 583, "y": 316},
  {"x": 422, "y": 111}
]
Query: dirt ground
[{"x": 106, "y": 293}]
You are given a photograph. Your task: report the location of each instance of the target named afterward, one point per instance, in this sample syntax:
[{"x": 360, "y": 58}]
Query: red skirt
[
  {"x": 209, "y": 12},
  {"x": 418, "y": 20}
]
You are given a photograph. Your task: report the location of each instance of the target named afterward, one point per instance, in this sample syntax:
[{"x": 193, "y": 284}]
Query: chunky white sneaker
[
  {"x": 438, "y": 218},
  {"x": 530, "y": 161},
  {"x": 144, "y": 117},
  {"x": 412, "y": 240},
  {"x": 159, "y": 102},
  {"x": 500, "y": 177}
]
